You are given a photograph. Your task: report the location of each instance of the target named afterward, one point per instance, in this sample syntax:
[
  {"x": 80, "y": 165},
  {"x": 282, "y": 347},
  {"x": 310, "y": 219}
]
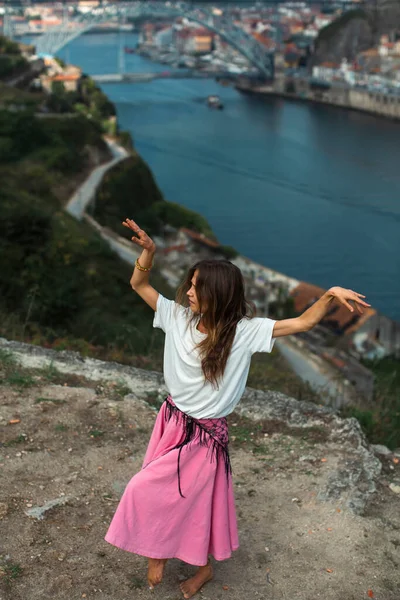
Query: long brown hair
[{"x": 220, "y": 294}]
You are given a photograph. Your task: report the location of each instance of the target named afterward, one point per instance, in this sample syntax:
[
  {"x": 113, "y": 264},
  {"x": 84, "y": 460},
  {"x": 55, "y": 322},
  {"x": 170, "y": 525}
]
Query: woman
[{"x": 181, "y": 504}]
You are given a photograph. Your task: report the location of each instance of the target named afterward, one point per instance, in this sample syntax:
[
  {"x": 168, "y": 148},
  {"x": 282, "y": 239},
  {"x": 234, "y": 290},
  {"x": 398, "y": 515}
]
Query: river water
[{"x": 308, "y": 190}]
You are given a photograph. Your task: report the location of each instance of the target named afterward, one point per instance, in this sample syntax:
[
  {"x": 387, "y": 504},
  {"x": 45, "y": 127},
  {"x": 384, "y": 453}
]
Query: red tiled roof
[
  {"x": 178, "y": 247},
  {"x": 264, "y": 40},
  {"x": 200, "y": 237},
  {"x": 338, "y": 362},
  {"x": 330, "y": 65},
  {"x": 71, "y": 77},
  {"x": 306, "y": 294}
]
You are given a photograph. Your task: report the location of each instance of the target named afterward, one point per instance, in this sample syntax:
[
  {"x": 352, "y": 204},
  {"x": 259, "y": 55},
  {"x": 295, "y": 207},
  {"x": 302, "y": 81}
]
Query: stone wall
[
  {"x": 372, "y": 102},
  {"x": 342, "y": 96}
]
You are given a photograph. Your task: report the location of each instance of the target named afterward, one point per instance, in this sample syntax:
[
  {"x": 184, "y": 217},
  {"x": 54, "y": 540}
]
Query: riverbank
[{"x": 339, "y": 96}]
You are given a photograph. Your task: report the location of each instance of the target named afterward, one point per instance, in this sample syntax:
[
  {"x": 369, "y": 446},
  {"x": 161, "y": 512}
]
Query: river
[{"x": 308, "y": 190}]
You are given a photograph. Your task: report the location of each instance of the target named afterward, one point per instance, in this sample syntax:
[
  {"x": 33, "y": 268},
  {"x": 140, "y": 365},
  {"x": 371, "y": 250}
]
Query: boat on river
[{"x": 215, "y": 102}]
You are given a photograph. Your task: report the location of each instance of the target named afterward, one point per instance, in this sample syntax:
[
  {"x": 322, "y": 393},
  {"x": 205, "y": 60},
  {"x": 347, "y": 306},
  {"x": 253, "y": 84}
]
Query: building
[
  {"x": 194, "y": 40},
  {"x": 70, "y": 76},
  {"x": 339, "y": 319}
]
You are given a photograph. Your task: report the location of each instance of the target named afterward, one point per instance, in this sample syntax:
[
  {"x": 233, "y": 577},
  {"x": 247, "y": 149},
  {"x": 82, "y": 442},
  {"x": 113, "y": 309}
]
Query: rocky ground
[{"x": 318, "y": 513}]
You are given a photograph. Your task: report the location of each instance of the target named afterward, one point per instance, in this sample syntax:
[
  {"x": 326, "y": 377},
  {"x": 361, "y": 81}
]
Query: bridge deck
[{"x": 146, "y": 77}]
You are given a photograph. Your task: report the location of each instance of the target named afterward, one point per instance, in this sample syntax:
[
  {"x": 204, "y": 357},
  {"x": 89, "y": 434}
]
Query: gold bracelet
[{"x": 139, "y": 266}]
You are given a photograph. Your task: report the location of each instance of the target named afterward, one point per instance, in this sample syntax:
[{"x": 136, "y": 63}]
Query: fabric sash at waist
[{"x": 212, "y": 433}]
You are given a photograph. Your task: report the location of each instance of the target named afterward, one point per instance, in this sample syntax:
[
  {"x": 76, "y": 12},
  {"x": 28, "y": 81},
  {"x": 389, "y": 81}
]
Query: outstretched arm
[
  {"x": 318, "y": 310},
  {"x": 140, "y": 278}
]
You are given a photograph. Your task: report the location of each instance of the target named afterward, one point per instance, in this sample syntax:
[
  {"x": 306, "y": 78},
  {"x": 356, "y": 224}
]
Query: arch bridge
[{"x": 213, "y": 19}]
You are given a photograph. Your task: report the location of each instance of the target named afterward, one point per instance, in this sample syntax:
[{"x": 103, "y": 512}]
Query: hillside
[
  {"x": 356, "y": 30},
  {"x": 61, "y": 285},
  {"x": 309, "y": 491},
  {"x": 353, "y": 32},
  {"x": 134, "y": 192}
]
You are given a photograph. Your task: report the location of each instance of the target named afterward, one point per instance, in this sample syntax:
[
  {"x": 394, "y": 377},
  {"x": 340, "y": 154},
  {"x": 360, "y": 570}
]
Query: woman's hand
[
  {"x": 141, "y": 239},
  {"x": 346, "y": 296}
]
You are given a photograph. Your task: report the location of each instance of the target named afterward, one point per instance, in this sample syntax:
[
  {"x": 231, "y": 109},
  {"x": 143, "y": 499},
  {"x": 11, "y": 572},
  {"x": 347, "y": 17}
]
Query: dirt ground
[{"x": 79, "y": 442}]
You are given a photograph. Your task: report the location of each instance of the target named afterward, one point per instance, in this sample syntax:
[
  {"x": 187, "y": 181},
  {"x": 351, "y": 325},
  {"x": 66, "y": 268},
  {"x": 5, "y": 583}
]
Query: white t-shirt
[{"x": 182, "y": 365}]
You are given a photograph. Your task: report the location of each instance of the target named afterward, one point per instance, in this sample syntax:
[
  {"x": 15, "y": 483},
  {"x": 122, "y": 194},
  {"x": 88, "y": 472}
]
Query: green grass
[
  {"x": 10, "y": 571},
  {"x": 95, "y": 433},
  {"x": 18, "y": 440},
  {"x": 61, "y": 427},
  {"x": 272, "y": 372},
  {"x": 50, "y": 372},
  {"x": 153, "y": 399},
  {"x": 7, "y": 359},
  {"x": 380, "y": 421},
  {"x": 121, "y": 390},
  {"x": 53, "y": 400},
  {"x": 19, "y": 379},
  {"x": 260, "y": 450}
]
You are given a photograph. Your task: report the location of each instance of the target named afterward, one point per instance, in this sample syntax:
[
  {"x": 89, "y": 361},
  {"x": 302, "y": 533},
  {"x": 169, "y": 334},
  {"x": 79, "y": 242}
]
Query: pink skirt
[{"x": 181, "y": 503}]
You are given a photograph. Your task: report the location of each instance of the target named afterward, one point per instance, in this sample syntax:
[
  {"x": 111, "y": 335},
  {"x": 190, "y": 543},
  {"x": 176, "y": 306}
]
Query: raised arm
[
  {"x": 318, "y": 310},
  {"x": 140, "y": 276}
]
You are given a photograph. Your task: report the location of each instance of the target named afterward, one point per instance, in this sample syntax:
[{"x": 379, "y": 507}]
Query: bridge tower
[{"x": 121, "y": 50}]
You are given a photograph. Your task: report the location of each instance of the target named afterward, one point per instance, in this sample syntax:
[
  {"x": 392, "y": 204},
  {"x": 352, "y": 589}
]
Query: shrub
[
  {"x": 381, "y": 420},
  {"x": 180, "y": 216}
]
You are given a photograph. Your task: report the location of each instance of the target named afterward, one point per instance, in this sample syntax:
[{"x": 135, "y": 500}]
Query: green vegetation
[
  {"x": 53, "y": 400},
  {"x": 11, "y": 60},
  {"x": 229, "y": 252},
  {"x": 179, "y": 216},
  {"x": 13, "y": 98},
  {"x": 61, "y": 285},
  {"x": 61, "y": 427},
  {"x": 129, "y": 190},
  {"x": 9, "y": 571},
  {"x": 8, "y": 47},
  {"x": 40, "y": 147},
  {"x": 88, "y": 100},
  {"x": 381, "y": 422},
  {"x": 272, "y": 372}
]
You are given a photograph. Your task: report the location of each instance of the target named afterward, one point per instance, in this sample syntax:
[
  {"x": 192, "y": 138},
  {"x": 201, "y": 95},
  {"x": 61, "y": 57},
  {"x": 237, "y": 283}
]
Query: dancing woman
[{"x": 181, "y": 503}]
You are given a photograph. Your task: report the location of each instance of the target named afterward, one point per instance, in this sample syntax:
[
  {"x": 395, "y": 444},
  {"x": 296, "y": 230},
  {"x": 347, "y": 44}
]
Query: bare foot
[
  {"x": 192, "y": 585},
  {"x": 155, "y": 571}
]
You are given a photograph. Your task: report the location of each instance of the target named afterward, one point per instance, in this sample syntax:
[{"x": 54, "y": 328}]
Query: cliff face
[
  {"x": 344, "y": 38},
  {"x": 386, "y": 13},
  {"x": 74, "y": 432},
  {"x": 356, "y": 31}
]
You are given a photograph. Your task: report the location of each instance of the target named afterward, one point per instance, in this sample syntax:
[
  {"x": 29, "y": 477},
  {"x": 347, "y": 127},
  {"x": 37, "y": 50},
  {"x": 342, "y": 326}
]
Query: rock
[
  {"x": 353, "y": 479},
  {"x": 307, "y": 458},
  {"x": 38, "y": 512},
  {"x": 3, "y": 509},
  {"x": 381, "y": 450},
  {"x": 395, "y": 488},
  {"x": 344, "y": 38},
  {"x": 356, "y": 30}
]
